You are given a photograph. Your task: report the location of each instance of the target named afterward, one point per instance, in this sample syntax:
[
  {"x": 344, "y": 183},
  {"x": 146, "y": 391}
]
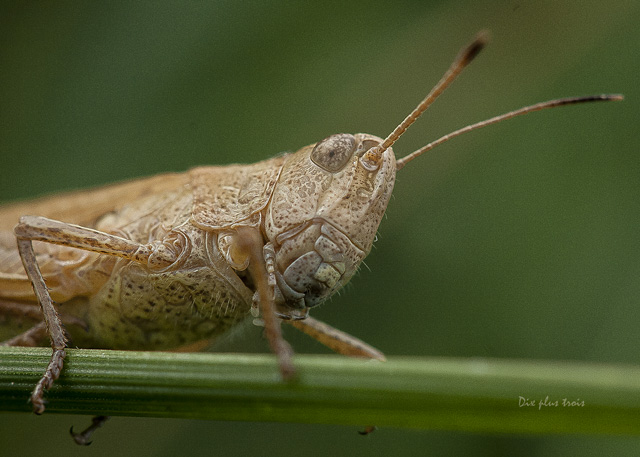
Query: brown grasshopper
[{"x": 173, "y": 260}]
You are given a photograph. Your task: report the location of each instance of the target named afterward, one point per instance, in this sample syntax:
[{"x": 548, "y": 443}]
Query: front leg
[
  {"x": 33, "y": 228},
  {"x": 246, "y": 250}
]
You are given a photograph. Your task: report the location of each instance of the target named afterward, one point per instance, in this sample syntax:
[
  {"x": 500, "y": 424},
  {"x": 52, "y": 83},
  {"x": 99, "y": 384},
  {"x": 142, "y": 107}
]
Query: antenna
[
  {"x": 371, "y": 159},
  {"x": 503, "y": 117}
]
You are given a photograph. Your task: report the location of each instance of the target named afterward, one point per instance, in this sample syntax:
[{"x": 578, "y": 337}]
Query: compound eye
[{"x": 334, "y": 152}]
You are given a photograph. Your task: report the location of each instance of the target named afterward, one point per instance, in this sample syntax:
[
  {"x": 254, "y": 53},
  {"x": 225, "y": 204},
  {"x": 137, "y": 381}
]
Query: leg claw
[{"x": 83, "y": 437}]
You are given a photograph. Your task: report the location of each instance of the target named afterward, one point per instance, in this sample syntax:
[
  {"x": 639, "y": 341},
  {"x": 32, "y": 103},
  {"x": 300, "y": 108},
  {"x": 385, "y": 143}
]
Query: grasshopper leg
[
  {"x": 28, "y": 338},
  {"x": 33, "y": 336},
  {"x": 26, "y": 310},
  {"x": 368, "y": 430},
  {"x": 337, "y": 340},
  {"x": 34, "y": 312},
  {"x": 250, "y": 243},
  {"x": 32, "y": 228},
  {"x": 84, "y": 436},
  {"x": 52, "y": 322}
]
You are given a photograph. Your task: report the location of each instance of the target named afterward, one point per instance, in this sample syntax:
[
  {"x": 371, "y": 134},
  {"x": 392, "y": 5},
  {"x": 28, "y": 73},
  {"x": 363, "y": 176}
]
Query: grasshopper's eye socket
[
  {"x": 334, "y": 152},
  {"x": 366, "y": 145}
]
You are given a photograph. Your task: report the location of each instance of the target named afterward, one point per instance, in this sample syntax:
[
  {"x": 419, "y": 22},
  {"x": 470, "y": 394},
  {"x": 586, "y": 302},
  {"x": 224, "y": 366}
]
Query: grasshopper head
[
  {"x": 330, "y": 198},
  {"x": 323, "y": 217}
]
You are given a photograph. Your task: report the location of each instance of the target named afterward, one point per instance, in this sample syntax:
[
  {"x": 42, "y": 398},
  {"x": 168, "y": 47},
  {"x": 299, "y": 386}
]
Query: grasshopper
[{"x": 175, "y": 260}]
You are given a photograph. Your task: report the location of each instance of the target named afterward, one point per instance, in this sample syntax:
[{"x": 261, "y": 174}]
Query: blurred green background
[{"x": 519, "y": 240}]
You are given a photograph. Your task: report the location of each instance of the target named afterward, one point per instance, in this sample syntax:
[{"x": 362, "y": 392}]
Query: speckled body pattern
[
  {"x": 176, "y": 259},
  {"x": 319, "y": 223}
]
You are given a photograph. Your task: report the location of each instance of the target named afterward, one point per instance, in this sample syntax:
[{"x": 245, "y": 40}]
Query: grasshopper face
[{"x": 323, "y": 218}]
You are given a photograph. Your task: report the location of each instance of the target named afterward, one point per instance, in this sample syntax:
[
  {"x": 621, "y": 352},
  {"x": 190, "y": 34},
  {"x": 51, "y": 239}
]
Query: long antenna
[
  {"x": 494, "y": 120},
  {"x": 371, "y": 159}
]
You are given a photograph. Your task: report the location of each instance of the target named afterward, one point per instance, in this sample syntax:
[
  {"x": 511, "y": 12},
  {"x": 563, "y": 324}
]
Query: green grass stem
[{"x": 473, "y": 395}]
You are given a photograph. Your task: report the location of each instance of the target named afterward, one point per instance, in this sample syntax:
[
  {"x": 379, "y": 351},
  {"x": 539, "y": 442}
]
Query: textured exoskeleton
[
  {"x": 315, "y": 213},
  {"x": 173, "y": 260}
]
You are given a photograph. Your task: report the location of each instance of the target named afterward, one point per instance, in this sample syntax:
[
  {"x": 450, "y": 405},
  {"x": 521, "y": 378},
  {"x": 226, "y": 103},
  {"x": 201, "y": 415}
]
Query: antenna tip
[
  {"x": 481, "y": 40},
  {"x": 483, "y": 36},
  {"x": 602, "y": 97}
]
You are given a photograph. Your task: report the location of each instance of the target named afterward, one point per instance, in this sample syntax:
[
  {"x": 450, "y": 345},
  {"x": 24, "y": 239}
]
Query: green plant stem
[{"x": 477, "y": 395}]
